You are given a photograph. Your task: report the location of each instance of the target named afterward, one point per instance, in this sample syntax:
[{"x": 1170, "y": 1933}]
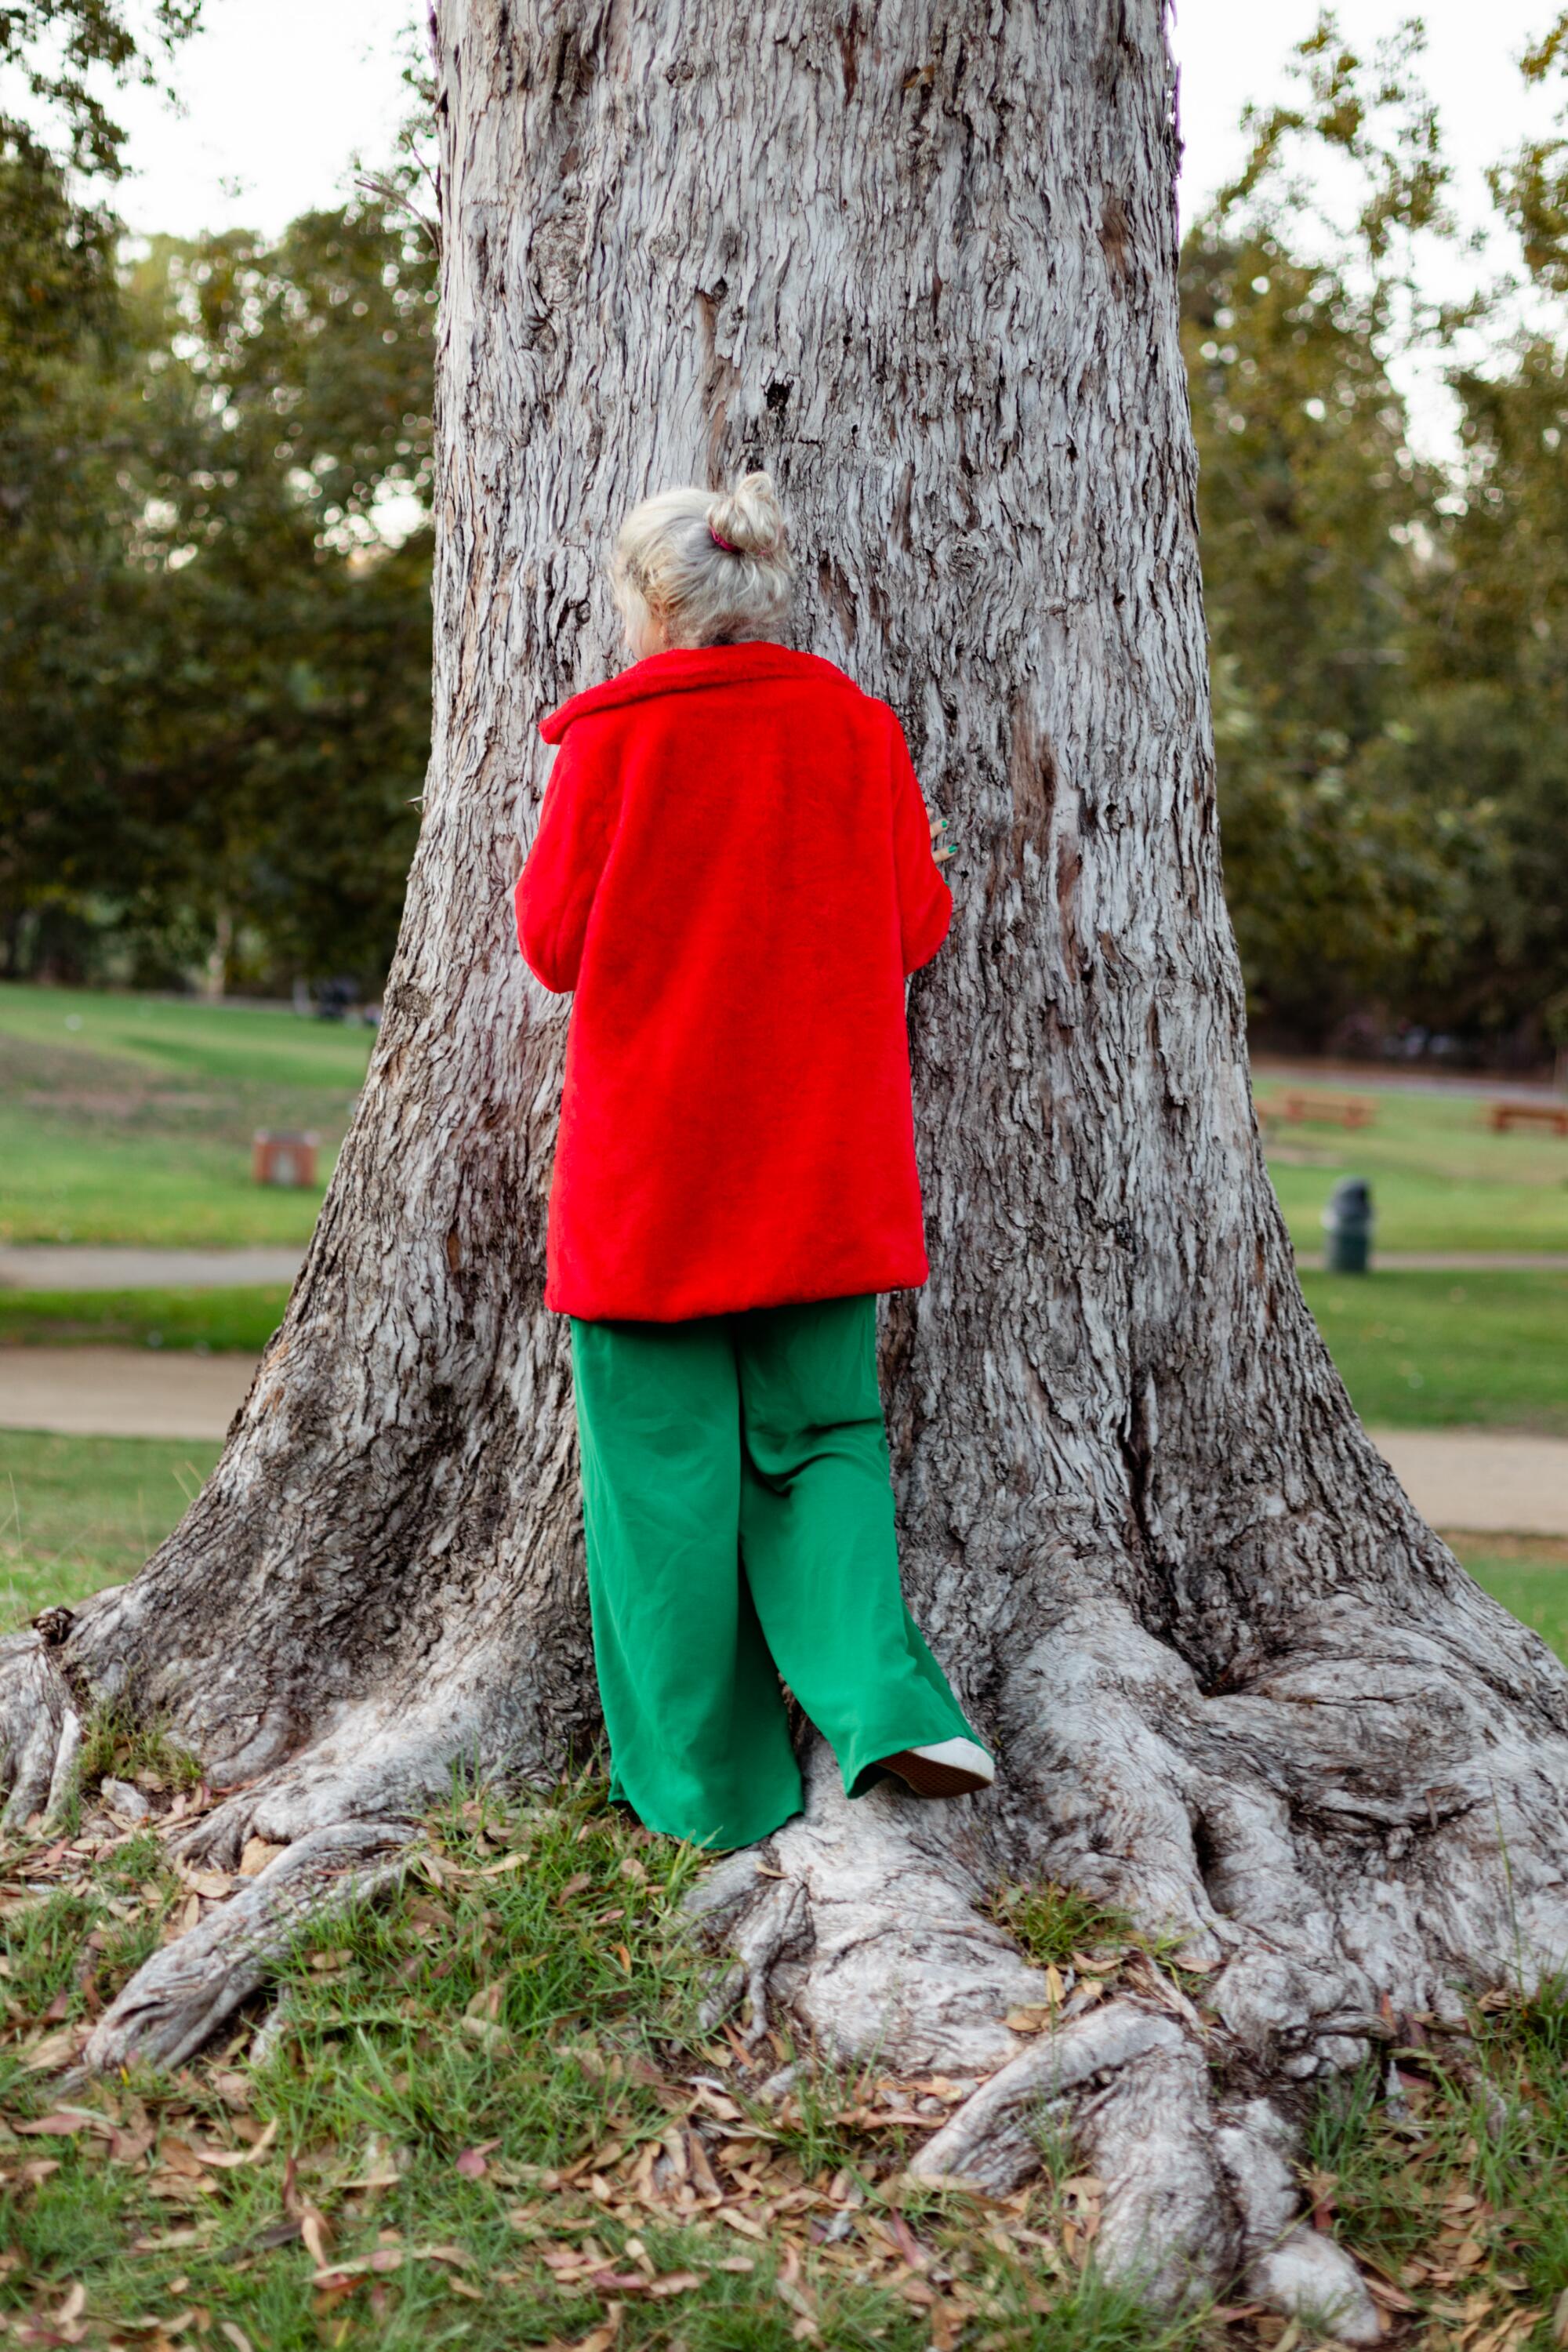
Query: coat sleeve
[
  {"x": 925, "y": 902},
  {"x": 555, "y": 890}
]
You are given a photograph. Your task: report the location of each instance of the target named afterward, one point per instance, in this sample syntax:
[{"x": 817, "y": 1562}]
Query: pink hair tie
[{"x": 719, "y": 541}]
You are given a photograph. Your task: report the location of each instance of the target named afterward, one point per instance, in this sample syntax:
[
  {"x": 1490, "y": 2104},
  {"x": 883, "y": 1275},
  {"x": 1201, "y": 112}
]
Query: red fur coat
[{"x": 734, "y": 871}]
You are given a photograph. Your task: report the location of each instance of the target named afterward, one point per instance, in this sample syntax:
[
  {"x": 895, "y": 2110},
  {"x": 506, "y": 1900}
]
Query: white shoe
[{"x": 952, "y": 1768}]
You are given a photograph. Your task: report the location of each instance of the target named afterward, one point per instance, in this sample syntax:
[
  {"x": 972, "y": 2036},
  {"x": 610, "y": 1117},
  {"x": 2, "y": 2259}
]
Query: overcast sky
[{"x": 279, "y": 95}]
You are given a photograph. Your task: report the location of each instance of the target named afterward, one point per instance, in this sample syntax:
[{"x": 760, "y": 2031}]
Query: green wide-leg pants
[{"x": 738, "y": 1508}]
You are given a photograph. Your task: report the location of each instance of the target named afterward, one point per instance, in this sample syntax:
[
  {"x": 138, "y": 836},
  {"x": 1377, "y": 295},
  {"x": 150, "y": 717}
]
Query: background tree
[
  {"x": 925, "y": 269},
  {"x": 248, "y": 694},
  {"x": 1490, "y": 662},
  {"x": 60, "y": 327},
  {"x": 275, "y": 702},
  {"x": 1351, "y": 868}
]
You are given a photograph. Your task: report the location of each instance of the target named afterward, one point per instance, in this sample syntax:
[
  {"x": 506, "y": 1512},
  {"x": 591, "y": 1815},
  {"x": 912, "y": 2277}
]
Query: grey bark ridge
[{"x": 921, "y": 263}]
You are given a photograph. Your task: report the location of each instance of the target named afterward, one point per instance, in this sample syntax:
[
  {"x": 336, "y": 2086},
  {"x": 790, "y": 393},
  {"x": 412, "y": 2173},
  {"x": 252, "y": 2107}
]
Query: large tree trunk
[{"x": 921, "y": 264}]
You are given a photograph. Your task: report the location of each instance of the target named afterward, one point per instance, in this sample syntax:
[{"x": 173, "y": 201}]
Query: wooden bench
[
  {"x": 1502, "y": 1116},
  {"x": 1319, "y": 1110}
]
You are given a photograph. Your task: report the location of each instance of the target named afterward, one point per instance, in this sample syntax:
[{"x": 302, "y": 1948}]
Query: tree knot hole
[
  {"x": 1031, "y": 778},
  {"x": 409, "y": 1000},
  {"x": 1116, "y": 241},
  {"x": 850, "y": 35}
]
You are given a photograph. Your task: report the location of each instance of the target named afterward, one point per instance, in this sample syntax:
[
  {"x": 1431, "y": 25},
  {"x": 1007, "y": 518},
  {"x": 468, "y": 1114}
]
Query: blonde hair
[{"x": 702, "y": 568}]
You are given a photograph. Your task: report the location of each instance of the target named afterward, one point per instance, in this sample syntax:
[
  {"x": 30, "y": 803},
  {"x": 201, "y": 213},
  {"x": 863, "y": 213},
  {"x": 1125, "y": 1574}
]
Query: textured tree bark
[{"x": 921, "y": 264}]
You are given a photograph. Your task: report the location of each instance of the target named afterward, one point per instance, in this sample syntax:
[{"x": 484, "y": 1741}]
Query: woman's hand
[{"x": 941, "y": 850}]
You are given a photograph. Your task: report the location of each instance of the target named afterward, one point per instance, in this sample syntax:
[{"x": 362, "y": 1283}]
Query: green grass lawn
[
  {"x": 1529, "y": 1574},
  {"x": 76, "y": 1513},
  {"x": 1436, "y": 1350},
  {"x": 221, "y": 1322},
  {"x": 1440, "y": 1178},
  {"x": 127, "y": 1119}
]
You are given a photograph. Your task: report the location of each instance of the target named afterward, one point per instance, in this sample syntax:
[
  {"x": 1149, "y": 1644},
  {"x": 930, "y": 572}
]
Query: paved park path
[
  {"x": 49, "y": 1266},
  {"x": 62, "y": 1265},
  {"x": 1482, "y": 1481},
  {"x": 120, "y": 1392}
]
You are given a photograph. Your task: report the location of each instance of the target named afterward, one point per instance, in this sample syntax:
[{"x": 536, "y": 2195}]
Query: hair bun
[{"x": 749, "y": 517}]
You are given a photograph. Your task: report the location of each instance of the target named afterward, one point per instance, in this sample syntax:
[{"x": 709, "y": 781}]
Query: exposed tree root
[
  {"x": 859, "y": 1925},
  {"x": 40, "y": 1731},
  {"x": 180, "y": 1997}
]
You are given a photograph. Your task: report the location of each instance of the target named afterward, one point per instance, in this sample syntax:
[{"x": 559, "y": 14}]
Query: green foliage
[
  {"x": 64, "y": 510},
  {"x": 56, "y": 54},
  {"x": 237, "y": 619},
  {"x": 1387, "y": 634},
  {"x": 1343, "y": 880},
  {"x": 1350, "y": 869}
]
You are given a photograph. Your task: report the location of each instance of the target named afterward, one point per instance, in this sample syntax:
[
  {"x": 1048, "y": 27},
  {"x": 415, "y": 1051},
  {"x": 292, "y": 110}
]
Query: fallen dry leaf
[
  {"x": 257, "y": 1854},
  {"x": 214, "y": 1883},
  {"x": 228, "y": 2157},
  {"x": 674, "y": 2282},
  {"x": 66, "y": 2120},
  {"x": 484, "y": 2029},
  {"x": 314, "y": 2230},
  {"x": 599, "y": 2339},
  {"x": 54, "y": 2050}
]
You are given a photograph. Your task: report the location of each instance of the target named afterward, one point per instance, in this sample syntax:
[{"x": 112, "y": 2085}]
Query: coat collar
[{"x": 688, "y": 667}]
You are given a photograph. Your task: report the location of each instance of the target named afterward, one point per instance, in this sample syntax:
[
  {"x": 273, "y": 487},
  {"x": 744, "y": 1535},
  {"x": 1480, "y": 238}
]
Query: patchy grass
[
  {"x": 212, "y": 1322},
  {"x": 78, "y": 1513},
  {"x": 1052, "y": 1923},
  {"x": 132, "y": 1745},
  {"x": 126, "y": 1118},
  {"x": 486, "y": 2113},
  {"x": 1435, "y": 1350},
  {"x": 488, "y": 2116},
  {"x": 1445, "y": 2169}
]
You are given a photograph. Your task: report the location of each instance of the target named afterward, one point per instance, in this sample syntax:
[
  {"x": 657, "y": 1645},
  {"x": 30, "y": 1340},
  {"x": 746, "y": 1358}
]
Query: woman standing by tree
[{"x": 734, "y": 871}]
